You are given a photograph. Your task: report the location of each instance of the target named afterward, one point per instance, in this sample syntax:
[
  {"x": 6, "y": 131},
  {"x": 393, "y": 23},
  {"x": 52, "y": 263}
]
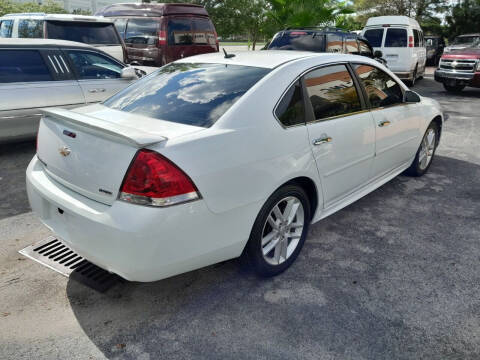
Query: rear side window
[
  {"x": 180, "y": 31},
  {"x": 142, "y": 31},
  {"x": 30, "y": 29},
  {"x": 416, "y": 38},
  {"x": 192, "y": 94},
  {"x": 291, "y": 110},
  {"x": 6, "y": 27},
  {"x": 334, "y": 43},
  {"x": 332, "y": 92},
  {"x": 22, "y": 66},
  {"x": 85, "y": 32},
  {"x": 374, "y": 37},
  {"x": 396, "y": 38},
  {"x": 298, "y": 40},
  {"x": 381, "y": 89},
  {"x": 203, "y": 32}
]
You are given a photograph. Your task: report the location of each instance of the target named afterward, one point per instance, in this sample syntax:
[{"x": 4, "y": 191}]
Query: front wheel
[
  {"x": 426, "y": 151},
  {"x": 454, "y": 88},
  {"x": 279, "y": 231}
]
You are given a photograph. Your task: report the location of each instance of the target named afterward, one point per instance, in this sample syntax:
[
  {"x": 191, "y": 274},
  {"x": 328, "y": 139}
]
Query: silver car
[{"x": 39, "y": 73}]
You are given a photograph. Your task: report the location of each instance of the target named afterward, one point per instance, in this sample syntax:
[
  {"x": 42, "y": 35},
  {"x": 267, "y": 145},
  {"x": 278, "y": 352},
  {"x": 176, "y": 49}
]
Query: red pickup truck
[{"x": 459, "y": 68}]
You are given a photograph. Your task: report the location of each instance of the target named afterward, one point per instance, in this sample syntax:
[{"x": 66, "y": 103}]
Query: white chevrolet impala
[{"x": 214, "y": 157}]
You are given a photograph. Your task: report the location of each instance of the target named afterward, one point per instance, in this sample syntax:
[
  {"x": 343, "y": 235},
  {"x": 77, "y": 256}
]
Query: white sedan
[{"x": 213, "y": 157}]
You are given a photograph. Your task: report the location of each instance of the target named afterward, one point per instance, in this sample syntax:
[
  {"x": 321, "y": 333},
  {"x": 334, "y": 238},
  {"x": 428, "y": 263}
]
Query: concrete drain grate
[{"x": 54, "y": 254}]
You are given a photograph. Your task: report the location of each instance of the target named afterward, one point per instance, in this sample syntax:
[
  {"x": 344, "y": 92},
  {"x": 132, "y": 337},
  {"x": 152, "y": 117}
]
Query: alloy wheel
[{"x": 427, "y": 149}]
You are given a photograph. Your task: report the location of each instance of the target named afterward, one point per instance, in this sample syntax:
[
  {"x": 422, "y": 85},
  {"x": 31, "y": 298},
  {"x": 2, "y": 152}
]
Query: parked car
[
  {"x": 186, "y": 167},
  {"x": 459, "y": 68},
  {"x": 323, "y": 40},
  {"x": 156, "y": 34},
  {"x": 91, "y": 30},
  {"x": 435, "y": 45},
  {"x": 401, "y": 41},
  {"x": 463, "y": 41},
  {"x": 39, "y": 73}
]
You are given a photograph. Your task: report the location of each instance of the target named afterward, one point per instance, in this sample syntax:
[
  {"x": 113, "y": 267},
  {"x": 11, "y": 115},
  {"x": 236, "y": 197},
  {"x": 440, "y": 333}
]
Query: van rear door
[
  {"x": 396, "y": 50},
  {"x": 141, "y": 40}
]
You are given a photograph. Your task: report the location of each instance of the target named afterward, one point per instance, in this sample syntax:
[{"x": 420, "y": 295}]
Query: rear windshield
[
  {"x": 85, "y": 32},
  {"x": 466, "y": 40},
  {"x": 192, "y": 94},
  {"x": 142, "y": 31},
  {"x": 374, "y": 37},
  {"x": 396, "y": 38},
  {"x": 180, "y": 31},
  {"x": 298, "y": 40}
]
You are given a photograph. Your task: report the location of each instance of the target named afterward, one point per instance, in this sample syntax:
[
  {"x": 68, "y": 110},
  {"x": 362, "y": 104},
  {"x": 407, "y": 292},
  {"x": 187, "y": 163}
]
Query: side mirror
[
  {"x": 411, "y": 97},
  {"x": 129, "y": 73},
  {"x": 377, "y": 54}
]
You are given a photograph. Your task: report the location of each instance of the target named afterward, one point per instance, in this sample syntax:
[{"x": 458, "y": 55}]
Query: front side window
[
  {"x": 180, "y": 31},
  {"x": 334, "y": 43},
  {"x": 332, "y": 92},
  {"x": 89, "y": 65},
  {"x": 192, "y": 94},
  {"x": 30, "y": 29},
  {"x": 22, "y": 66},
  {"x": 6, "y": 27},
  {"x": 374, "y": 37},
  {"x": 94, "y": 33},
  {"x": 291, "y": 110},
  {"x": 396, "y": 37},
  {"x": 381, "y": 89},
  {"x": 142, "y": 31}
]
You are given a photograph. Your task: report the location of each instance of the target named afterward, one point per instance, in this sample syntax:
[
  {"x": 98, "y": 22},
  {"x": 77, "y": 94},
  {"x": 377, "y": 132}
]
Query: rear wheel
[
  {"x": 454, "y": 88},
  {"x": 279, "y": 231},
  {"x": 414, "y": 77},
  {"x": 426, "y": 151}
]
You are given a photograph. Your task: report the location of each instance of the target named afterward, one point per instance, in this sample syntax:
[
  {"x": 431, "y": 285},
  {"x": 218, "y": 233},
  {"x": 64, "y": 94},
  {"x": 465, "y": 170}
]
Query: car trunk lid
[{"x": 89, "y": 150}]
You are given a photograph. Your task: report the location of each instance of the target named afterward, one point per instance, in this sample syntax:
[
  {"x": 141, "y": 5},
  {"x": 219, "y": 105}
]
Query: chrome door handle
[
  {"x": 96, "y": 90},
  {"x": 322, "y": 140},
  {"x": 384, "y": 123}
]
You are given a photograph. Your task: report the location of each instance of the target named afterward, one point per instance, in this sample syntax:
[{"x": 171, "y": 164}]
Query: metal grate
[
  {"x": 54, "y": 254},
  {"x": 458, "y": 65}
]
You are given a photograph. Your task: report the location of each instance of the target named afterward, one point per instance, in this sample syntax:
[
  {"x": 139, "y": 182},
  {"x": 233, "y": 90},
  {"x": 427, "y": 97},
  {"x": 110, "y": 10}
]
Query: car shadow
[{"x": 395, "y": 273}]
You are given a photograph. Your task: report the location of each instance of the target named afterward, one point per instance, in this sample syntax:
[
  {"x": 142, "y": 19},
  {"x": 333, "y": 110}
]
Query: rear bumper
[
  {"x": 139, "y": 243},
  {"x": 404, "y": 75},
  {"x": 450, "y": 77}
]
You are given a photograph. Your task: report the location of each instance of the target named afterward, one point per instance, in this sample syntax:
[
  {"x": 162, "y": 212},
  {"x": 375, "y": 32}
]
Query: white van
[
  {"x": 401, "y": 41},
  {"x": 93, "y": 30}
]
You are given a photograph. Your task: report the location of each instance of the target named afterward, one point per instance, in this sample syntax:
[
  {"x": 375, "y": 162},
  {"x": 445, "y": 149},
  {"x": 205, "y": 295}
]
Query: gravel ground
[{"x": 393, "y": 276}]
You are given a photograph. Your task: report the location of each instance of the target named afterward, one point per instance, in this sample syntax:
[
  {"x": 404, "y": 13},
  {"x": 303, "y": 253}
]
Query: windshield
[
  {"x": 298, "y": 40},
  {"x": 192, "y": 94},
  {"x": 466, "y": 40},
  {"x": 431, "y": 42},
  {"x": 84, "y": 32}
]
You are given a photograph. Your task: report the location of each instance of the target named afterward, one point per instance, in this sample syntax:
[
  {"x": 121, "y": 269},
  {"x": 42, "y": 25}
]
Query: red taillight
[
  {"x": 162, "y": 37},
  {"x": 154, "y": 180},
  {"x": 410, "y": 41}
]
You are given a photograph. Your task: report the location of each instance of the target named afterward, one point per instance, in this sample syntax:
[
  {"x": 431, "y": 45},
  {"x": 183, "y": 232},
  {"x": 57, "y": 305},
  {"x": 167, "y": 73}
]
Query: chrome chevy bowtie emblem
[{"x": 64, "y": 151}]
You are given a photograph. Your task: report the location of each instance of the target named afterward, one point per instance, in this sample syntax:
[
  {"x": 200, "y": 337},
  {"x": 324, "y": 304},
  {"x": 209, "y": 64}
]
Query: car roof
[
  {"x": 392, "y": 20},
  {"x": 24, "y": 42},
  {"x": 270, "y": 59},
  {"x": 58, "y": 17}
]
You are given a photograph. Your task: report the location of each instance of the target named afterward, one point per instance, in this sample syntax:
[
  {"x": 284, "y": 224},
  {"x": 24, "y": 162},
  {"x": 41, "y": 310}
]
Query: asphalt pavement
[{"x": 395, "y": 275}]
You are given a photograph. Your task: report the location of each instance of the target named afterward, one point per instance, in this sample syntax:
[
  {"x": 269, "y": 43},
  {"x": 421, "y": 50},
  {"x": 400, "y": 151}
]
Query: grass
[{"x": 239, "y": 43}]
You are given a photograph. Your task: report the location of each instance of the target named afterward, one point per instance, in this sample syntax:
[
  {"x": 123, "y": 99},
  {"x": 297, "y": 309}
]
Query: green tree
[
  {"x": 50, "y": 7},
  {"x": 463, "y": 18}
]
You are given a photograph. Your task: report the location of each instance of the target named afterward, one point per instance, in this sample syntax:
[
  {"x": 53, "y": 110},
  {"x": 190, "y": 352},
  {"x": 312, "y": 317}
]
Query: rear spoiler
[{"x": 99, "y": 127}]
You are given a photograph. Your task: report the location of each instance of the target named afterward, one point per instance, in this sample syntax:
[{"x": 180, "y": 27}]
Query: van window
[
  {"x": 203, "y": 32},
  {"x": 416, "y": 38},
  {"x": 142, "y": 31},
  {"x": 88, "y": 33},
  {"x": 180, "y": 31},
  {"x": 396, "y": 37},
  {"x": 6, "y": 27},
  {"x": 186, "y": 93},
  {"x": 30, "y": 29},
  {"x": 22, "y": 66},
  {"x": 374, "y": 37}
]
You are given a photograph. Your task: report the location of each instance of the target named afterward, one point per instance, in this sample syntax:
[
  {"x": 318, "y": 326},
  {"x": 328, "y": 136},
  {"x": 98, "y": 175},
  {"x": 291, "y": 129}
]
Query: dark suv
[
  {"x": 323, "y": 40},
  {"x": 435, "y": 45}
]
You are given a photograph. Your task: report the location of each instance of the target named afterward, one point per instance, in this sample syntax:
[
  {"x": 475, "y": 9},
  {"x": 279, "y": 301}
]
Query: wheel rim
[
  {"x": 282, "y": 230},
  {"x": 427, "y": 149}
]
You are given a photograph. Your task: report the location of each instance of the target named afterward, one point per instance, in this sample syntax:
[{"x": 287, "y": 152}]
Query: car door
[
  {"x": 28, "y": 83},
  {"x": 396, "y": 122},
  {"x": 98, "y": 75},
  {"x": 341, "y": 131}
]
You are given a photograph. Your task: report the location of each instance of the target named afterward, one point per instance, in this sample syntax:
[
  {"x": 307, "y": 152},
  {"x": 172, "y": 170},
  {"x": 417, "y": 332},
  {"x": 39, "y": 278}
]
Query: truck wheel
[{"x": 453, "y": 88}]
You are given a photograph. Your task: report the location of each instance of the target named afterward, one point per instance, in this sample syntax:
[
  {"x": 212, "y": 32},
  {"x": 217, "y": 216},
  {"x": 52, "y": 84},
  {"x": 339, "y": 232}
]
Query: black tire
[
  {"x": 454, "y": 88},
  {"x": 415, "y": 168},
  {"x": 253, "y": 255}
]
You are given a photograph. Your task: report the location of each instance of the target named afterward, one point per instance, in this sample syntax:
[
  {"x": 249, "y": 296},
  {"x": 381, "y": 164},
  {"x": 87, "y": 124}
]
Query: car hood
[{"x": 462, "y": 53}]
